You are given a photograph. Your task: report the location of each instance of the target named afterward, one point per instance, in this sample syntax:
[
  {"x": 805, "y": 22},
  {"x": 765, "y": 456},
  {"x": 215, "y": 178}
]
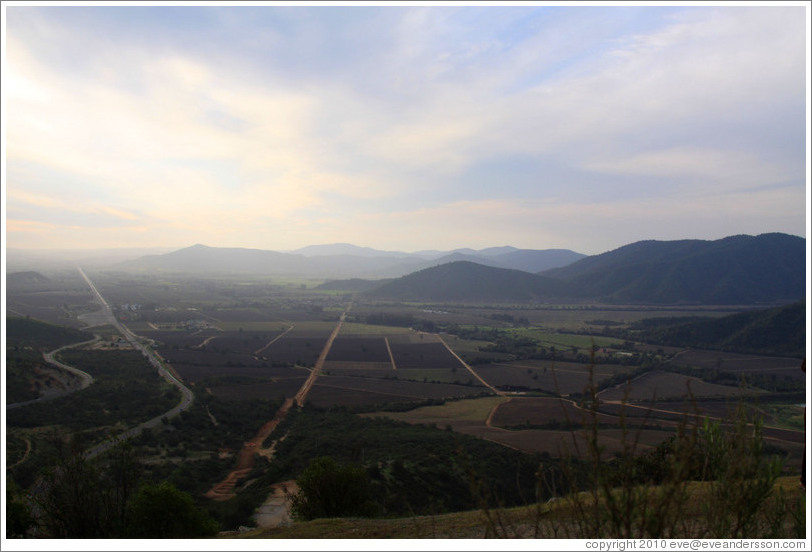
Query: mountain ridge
[
  {"x": 768, "y": 269},
  {"x": 740, "y": 270}
]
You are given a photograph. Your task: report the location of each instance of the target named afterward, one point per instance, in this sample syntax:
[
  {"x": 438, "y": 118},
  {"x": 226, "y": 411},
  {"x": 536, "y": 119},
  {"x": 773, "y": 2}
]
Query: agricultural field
[
  {"x": 359, "y": 391},
  {"x": 669, "y": 386},
  {"x": 59, "y": 299},
  {"x": 548, "y": 376},
  {"x": 528, "y": 425},
  {"x": 563, "y": 340},
  {"x": 552, "y": 413},
  {"x": 360, "y": 349},
  {"x": 741, "y": 364},
  {"x": 568, "y": 318},
  {"x": 473, "y": 410},
  {"x": 244, "y": 338}
]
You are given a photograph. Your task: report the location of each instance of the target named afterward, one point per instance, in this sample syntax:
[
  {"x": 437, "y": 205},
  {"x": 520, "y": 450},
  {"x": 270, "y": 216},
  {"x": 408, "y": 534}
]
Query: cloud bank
[{"x": 403, "y": 127}]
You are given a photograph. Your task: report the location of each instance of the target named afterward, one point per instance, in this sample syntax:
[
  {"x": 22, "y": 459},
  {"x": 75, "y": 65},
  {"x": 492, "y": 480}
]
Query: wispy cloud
[{"x": 417, "y": 126}]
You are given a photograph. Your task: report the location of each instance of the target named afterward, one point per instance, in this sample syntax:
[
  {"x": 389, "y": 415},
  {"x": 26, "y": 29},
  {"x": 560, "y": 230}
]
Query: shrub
[
  {"x": 713, "y": 478},
  {"x": 327, "y": 490},
  {"x": 162, "y": 511}
]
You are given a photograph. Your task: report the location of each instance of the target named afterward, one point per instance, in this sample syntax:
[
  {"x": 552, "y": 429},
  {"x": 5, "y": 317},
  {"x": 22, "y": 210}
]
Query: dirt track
[
  {"x": 245, "y": 459},
  {"x": 247, "y": 455},
  {"x": 274, "y": 512}
]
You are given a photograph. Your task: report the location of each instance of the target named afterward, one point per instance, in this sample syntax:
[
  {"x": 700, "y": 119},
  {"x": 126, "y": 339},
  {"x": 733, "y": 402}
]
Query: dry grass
[{"x": 556, "y": 520}]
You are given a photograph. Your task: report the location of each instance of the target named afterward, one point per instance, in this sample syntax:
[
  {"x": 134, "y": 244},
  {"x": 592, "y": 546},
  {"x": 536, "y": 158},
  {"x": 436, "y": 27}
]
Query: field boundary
[
  {"x": 302, "y": 394},
  {"x": 274, "y": 340},
  {"x": 471, "y": 370}
]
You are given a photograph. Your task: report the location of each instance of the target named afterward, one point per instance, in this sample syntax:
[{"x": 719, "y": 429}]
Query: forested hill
[
  {"x": 778, "y": 331},
  {"x": 746, "y": 270},
  {"x": 467, "y": 281},
  {"x": 41, "y": 336}
]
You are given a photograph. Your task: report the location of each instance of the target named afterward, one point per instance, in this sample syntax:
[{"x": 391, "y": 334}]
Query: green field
[
  {"x": 358, "y": 329},
  {"x": 547, "y": 338},
  {"x": 787, "y": 416},
  {"x": 473, "y": 410}
]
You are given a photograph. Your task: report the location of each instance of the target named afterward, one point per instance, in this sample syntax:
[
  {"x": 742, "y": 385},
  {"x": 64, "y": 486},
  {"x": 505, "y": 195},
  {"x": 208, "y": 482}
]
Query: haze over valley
[{"x": 405, "y": 271}]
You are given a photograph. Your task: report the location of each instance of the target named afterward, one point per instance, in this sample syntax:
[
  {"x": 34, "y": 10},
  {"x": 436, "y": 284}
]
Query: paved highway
[
  {"x": 187, "y": 397},
  {"x": 85, "y": 379}
]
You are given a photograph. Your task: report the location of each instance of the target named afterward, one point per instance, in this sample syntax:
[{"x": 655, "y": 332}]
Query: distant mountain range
[
  {"x": 342, "y": 260},
  {"x": 769, "y": 269}
]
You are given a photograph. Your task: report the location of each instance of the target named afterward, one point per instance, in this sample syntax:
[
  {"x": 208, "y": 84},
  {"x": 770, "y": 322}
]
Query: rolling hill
[
  {"x": 25, "y": 277},
  {"x": 218, "y": 260},
  {"x": 467, "y": 281},
  {"x": 528, "y": 260}
]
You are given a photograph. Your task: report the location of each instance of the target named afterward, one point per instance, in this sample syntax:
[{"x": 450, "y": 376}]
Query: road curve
[
  {"x": 50, "y": 358},
  {"x": 85, "y": 379}
]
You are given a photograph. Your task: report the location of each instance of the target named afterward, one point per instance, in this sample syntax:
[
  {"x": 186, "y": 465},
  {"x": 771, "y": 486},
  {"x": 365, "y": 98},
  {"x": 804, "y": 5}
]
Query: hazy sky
[{"x": 403, "y": 127}]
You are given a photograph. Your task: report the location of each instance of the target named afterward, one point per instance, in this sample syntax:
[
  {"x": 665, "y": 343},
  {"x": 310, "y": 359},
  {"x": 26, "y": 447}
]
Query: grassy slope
[{"x": 508, "y": 523}]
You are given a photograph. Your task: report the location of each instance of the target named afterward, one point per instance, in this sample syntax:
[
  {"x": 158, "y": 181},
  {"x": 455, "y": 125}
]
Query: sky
[{"x": 403, "y": 126}]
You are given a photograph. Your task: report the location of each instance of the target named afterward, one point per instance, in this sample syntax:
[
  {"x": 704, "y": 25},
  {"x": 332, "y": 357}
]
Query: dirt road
[{"x": 247, "y": 455}]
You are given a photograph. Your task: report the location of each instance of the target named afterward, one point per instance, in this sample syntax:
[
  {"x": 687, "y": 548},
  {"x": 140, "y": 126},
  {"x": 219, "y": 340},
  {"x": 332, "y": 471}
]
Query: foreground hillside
[{"x": 551, "y": 520}]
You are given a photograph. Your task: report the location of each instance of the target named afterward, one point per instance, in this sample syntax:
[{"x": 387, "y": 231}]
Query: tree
[
  {"x": 327, "y": 490},
  {"x": 74, "y": 502},
  {"x": 123, "y": 471},
  {"x": 163, "y": 511},
  {"x": 18, "y": 514}
]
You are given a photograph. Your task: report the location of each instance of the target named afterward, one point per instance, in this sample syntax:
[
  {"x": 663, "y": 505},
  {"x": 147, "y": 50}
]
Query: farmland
[{"x": 520, "y": 376}]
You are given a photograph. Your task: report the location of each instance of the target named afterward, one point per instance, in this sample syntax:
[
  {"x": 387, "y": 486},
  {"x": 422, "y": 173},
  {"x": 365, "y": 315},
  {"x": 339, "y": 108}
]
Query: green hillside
[
  {"x": 27, "y": 339},
  {"x": 23, "y": 333},
  {"x": 745, "y": 270}
]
